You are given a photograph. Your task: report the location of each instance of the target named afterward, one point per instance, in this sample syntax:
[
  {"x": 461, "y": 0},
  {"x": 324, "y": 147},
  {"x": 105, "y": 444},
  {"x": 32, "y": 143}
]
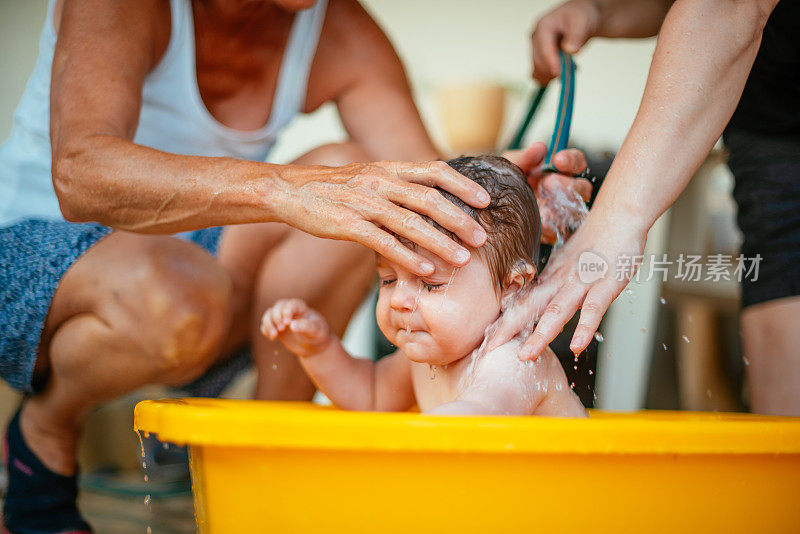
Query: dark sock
[{"x": 37, "y": 500}]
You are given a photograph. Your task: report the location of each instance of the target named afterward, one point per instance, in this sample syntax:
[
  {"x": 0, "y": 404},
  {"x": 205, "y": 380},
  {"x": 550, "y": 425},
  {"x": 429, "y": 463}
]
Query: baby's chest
[{"x": 434, "y": 385}]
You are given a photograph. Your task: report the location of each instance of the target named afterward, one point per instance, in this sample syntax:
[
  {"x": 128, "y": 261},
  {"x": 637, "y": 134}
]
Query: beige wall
[{"x": 20, "y": 23}]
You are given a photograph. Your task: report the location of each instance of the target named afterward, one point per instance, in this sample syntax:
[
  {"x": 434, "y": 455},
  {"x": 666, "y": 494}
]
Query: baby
[{"x": 438, "y": 321}]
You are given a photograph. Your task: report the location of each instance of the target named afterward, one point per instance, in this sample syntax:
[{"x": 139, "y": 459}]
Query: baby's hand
[{"x": 302, "y": 330}]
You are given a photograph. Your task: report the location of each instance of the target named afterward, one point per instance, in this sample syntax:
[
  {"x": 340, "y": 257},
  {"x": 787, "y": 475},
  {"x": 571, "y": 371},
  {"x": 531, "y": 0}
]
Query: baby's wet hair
[{"x": 511, "y": 220}]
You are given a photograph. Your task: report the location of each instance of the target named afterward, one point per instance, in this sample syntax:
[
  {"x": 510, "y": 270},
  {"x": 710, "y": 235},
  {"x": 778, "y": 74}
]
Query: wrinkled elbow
[{"x": 66, "y": 176}]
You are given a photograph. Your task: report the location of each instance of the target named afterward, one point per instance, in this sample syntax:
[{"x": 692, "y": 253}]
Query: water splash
[{"x": 566, "y": 209}]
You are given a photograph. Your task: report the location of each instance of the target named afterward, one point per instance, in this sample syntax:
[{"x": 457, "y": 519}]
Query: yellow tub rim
[{"x": 297, "y": 425}]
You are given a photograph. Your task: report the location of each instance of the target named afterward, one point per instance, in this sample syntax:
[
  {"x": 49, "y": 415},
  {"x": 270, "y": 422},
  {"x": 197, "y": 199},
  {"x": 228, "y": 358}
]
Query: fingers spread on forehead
[
  {"x": 570, "y": 161},
  {"x": 427, "y": 201},
  {"x": 413, "y": 227},
  {"x": 440, "y": 174},
  {"x": 388, "y": 246}
]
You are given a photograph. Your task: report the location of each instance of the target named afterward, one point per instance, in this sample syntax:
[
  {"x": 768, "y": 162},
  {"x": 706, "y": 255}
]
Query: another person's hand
[
  {"x": 611, "y": 239},
  {"x": 556, "y": 195},
  {"x": 566, "y": 28},
  {"x": 301, "y": 329},
  {"x": 374, "y": 202}
]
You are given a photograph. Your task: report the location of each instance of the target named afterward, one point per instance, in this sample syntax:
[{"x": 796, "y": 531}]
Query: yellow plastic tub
[{"x": 296, "y": 468}]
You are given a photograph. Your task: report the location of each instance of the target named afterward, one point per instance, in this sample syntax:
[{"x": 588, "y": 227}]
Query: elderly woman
[{"x": 160, "y": 117}]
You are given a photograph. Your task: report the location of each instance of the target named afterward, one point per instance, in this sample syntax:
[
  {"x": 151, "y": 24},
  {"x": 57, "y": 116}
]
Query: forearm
[
  {"x": 348, "y": 382},
  {"x": 127, "y": 186},
  {"x": 629, "y": 18},
  {"x": 704, "y": 54}
]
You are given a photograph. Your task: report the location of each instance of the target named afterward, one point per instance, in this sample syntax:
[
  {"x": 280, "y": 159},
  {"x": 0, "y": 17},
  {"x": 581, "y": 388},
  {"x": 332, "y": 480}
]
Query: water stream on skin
[
  {"x": 446, "y": 289},
  {"x": 413, "y": 309}
]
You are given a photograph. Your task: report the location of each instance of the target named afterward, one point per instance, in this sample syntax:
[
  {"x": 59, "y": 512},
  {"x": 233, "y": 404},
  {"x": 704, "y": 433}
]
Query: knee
[
  {"x": 335, "y": 155},
  {"x": 178, "y": 308}
]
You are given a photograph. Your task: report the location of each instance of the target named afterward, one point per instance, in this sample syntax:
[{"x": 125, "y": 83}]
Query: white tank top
[{"x": 173, "y": 117}]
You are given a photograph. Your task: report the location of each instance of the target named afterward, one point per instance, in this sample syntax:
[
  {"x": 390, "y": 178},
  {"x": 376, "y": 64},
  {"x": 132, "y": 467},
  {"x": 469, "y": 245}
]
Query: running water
[
  {"x": 567, "y": 210},
  {"x": 446, "y": 289},
  {"x": 413, "y": 309}
]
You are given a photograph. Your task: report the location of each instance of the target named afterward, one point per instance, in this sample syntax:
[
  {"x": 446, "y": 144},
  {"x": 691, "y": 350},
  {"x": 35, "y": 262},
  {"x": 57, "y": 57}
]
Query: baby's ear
[{"x": 520, "y": 275}]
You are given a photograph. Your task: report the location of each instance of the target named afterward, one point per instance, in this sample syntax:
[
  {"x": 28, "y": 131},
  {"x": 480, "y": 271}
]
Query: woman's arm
[
  {"x": 571, "y": 24},
  {"x": 103, "y": 54},
  {"x": 704, "y": 54}
]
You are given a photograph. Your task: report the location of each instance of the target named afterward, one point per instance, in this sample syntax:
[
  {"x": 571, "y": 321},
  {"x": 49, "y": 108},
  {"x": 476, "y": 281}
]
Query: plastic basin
[{"x": 296, "y": 467}]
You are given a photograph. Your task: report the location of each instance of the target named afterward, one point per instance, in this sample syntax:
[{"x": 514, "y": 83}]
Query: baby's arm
[
  {"x": 500, "y": 384},
  {"x": 350, "y": 383}
]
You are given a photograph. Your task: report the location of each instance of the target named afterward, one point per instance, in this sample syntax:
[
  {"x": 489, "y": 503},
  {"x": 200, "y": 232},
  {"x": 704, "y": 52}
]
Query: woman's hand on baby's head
[{"x": 302, "y": 330}]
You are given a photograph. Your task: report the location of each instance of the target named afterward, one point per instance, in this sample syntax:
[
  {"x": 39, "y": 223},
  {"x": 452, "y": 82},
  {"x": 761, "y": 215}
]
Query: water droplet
[
  {"x": 689, "y": 318},
  {"x": 662, "y": 300},
  {"x": 576, "y": 358},
  {"x": 685, "y": 338},
  {"x": 144, "y": 465},
  {"x": 664, "y": 346},
  {"x": 575, "y": 367},
  {"x": 146, "y": 478},
  {"x": 572, "y": 385},
  {"x": 591, "y": 372},
  {"x": 432, "y": 372},
  {"x": 628, "y": 291},
  {"x": 147, "y": 500},
  {"x": 599, "y": 337},
  {"x": 745, "y": 360},
  {"x": 708, "y": 393},
  {"x": 165, "y": 445},
  {"x": 149, "y": 530},
  {"x": 274, "y": 366}
]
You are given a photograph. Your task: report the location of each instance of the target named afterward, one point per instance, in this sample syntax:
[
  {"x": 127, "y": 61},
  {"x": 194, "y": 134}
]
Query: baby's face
[{"x": 440, "y": 318}]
